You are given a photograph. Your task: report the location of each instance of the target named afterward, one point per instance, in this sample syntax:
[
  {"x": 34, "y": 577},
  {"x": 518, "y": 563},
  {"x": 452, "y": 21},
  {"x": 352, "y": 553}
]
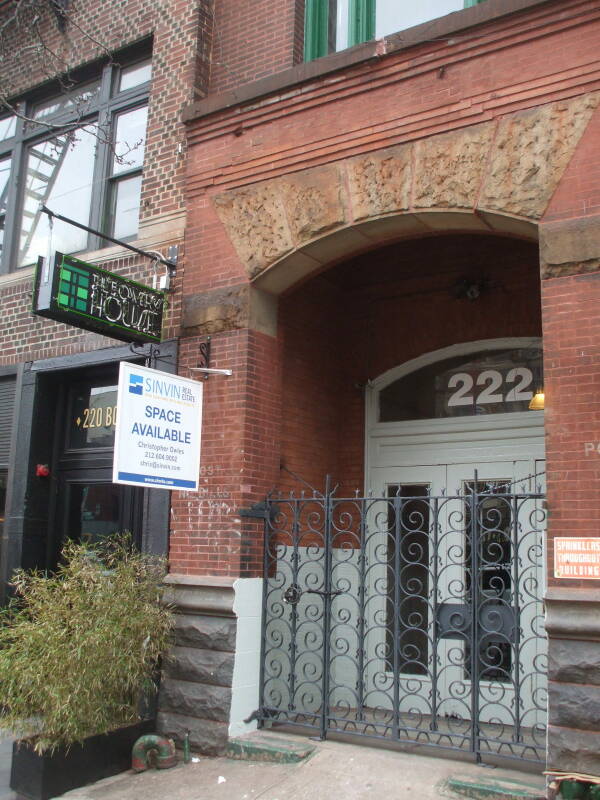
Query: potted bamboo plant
[{"x": 79, "y": 651}]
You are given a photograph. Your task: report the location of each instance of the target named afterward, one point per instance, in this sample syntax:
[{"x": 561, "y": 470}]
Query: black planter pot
[{"x": 38, "y": 777}]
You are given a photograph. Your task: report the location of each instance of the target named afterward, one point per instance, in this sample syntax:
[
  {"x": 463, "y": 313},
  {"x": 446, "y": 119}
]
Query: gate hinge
[
  {"x": 255, "y": 715},
  {"x": 257, "y": 511},
  {"x": 260, "y": 714}
]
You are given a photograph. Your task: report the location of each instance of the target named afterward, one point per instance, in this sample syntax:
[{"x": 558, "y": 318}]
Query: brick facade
[
  {"x": 327, "y": 210},
  {"x": 436, "y": 153}
]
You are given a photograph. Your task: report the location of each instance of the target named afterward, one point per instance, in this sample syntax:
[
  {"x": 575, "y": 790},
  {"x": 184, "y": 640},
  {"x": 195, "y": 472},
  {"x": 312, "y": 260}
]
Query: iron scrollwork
[{"x": 408, "y": 617}]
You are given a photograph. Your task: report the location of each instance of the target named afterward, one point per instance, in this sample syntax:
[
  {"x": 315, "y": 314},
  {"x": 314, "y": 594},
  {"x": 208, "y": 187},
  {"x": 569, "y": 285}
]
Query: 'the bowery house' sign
[{"x": 85, "y": 296}]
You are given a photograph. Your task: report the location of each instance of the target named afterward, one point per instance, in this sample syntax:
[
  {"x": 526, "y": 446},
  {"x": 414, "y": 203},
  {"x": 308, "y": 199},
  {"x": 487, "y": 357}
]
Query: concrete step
[
  {"x": 496, "y": 788},
  {"x": 274, "y": 748}
]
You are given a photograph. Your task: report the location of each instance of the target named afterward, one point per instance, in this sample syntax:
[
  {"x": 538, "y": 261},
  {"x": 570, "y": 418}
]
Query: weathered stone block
[
  {"x": 231, "y": 308},
  {"x": 314, "y": 201},
  {"x": 380, "y": 182},
  {"x": 208, "y": 633},
  {"x": 574, "y": 705},
  {"x": 195, "y": 699},
  {"x": 572, "y": 661},
  {"x": 573, "y": 750},
  {"x": 206, "y": 736},
  {"x": 530, "y": 152},
  {"x": 256, "y": 224},
  {"x": 219, "y": 310},
  {"x": 449, "y": 168},
  {"x": 202, "y": 666},
  {"x": 570, "y": 247}
]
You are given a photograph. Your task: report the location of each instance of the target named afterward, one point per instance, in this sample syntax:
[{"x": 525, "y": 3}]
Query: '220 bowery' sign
[{"x": 85, "y": 296}]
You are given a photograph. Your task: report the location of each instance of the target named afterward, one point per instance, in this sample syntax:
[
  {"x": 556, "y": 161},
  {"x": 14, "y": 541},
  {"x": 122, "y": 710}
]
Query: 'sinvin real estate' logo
[{"x": 136, "y": 384}]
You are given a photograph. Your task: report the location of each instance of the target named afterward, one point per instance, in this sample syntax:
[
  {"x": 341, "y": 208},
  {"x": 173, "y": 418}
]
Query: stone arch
[{"x": 497, "y": 176}]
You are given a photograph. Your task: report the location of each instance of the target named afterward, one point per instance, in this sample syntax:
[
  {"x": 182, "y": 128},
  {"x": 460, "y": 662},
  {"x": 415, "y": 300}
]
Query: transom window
[
  {"x": 79, "y": 153},
  {"x": 488, "y": 382},
  {"x": 332, "y": 25}
]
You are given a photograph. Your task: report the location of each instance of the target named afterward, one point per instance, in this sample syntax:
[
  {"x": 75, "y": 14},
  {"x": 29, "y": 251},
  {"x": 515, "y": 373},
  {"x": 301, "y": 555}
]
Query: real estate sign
[
  {"x": 85, "y": 296},
  {"x": 157, "y": 436}
]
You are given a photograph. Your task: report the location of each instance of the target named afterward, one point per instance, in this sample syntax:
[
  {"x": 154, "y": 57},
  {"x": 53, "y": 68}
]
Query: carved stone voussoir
[
  {"x": 380, "y": 182},
  {"x": 314, "y": 201},
  {"x": 530, "y": 153},
  {"x": 256, "y": 224},
  {"x": 449, "y": 168}
]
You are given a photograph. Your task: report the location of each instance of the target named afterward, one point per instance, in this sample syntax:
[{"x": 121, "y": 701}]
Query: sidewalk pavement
[{"x": 335, "y": 771}]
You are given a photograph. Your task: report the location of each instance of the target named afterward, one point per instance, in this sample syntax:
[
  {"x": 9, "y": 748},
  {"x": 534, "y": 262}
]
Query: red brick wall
[
  {"x": 517, "y": 63},
  {"x": 255, "y": 39},
  {"x": 572, "y": 382},
  {"x": 240, "y": 458},
  {"x": 331, "y": 338},
  {"x": 572, "y": 375}
]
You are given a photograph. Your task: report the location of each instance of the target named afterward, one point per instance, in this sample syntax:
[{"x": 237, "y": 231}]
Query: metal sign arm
[{"x": 153, "y": 256}]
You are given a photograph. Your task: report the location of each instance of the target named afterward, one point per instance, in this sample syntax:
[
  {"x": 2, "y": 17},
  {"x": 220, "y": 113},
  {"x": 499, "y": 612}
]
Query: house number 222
[{"x": 494, "y": 387}]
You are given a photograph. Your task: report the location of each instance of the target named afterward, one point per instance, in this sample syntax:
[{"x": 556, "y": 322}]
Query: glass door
[
  {"x": 500, "y": 662},
  {"x": 88, "y": 506},
  {"x": 401, "y": 548},
  {"x": 92, "y": 508}
]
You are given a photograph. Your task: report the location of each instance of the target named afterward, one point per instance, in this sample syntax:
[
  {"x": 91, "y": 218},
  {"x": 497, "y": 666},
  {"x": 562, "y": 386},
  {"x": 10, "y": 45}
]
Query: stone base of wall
[
  {"x": 573, "y": 627},
  {"x": 210, "y": 678}
]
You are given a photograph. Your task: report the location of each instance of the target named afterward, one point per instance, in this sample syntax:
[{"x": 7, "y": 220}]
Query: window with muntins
[
  {"x": 332, "y": 25},
  {"x": 81, "y": 154}
]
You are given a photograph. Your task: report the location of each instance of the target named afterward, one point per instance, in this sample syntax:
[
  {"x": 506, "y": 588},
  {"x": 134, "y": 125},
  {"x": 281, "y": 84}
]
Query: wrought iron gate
[{"x": 408, "y": 617}]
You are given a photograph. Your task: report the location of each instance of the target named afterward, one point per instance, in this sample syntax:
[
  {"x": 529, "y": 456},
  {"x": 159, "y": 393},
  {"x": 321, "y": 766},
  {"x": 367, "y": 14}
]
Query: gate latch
[{"x": 293, "y": 594}]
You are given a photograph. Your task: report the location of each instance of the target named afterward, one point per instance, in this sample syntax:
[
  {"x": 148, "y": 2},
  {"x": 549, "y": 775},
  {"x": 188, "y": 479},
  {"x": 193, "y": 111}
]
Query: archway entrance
[{"x": 410, "y": 609}]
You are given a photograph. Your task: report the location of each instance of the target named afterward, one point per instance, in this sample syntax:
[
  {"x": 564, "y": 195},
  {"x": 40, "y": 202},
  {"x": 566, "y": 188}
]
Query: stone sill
[
  {"x": 573, "y": 613},
  {"x": 363, "y": 53},
  {"x": 573, "y": 594},
  {"x": 201, "y": 594},
  {"x": 224, "y": 582}
]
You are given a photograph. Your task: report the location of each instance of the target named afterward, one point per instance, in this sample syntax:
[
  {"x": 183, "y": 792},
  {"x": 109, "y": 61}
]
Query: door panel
[
  {"x": 456, "y": 602},
  {"x": 90, "y": 508},
  {"x": 400, "y": 553}
]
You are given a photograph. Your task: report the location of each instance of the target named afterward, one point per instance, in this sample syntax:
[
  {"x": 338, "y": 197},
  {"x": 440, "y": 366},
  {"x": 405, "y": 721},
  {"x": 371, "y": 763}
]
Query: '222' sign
[{"x": 492, "y": 387}]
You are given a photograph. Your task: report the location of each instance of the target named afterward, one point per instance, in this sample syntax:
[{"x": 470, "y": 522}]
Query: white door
[
  {"x": 455, "y": 591},
  {"x": 400, "y": 587},
  {"x": 502, "y": 574}
]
